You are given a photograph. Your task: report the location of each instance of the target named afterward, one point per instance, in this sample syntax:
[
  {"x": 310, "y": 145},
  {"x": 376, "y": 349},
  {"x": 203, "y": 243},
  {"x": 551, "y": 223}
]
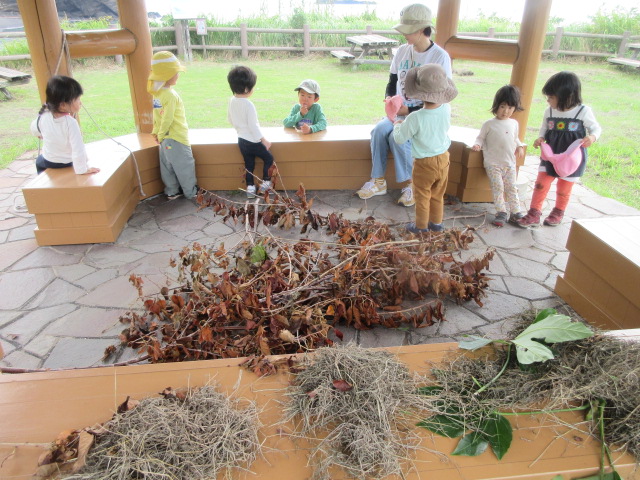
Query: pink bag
[
  {"x": 391, "y": 107},
  {"x": 564, "y": 163}
]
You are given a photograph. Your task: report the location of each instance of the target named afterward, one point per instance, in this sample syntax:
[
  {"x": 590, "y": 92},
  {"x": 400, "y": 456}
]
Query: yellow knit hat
[{"x": 164, "y": 65}]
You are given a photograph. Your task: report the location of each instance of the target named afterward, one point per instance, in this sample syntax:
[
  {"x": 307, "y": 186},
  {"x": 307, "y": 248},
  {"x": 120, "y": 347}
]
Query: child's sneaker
[
  {"x": 406, "y": 198},
  {"x": 251, "y": 191},
  {"x": 265, "y": 186},
  {"x": 436, "y": 227},
  {"x": 514, "y": 217},
  {"x": 555, "y": 217},
  {"x": 413, "y": 228},
  {"x": 173, "y": 197},
  {"x": 500, "y": 220},
  {"x": 372, "y": 187},
  {"x": 531, "y": 219}
]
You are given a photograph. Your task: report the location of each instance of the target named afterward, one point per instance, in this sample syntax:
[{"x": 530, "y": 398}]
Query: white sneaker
[
  {"x": 251, "y": 191},
  {"x": 406, "y": 198},
  {"x": 372, "y": 188},
  {"x": 265, "y": 187}
]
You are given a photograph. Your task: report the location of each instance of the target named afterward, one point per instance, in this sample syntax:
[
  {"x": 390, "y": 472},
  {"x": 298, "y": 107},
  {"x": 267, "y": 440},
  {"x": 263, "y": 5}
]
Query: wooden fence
[{"x": 185, "y": 47}]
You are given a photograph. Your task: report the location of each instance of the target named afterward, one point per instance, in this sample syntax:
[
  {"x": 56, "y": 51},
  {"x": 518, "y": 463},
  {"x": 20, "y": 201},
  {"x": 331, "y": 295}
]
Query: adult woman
[{"x": 417, "y": 27}]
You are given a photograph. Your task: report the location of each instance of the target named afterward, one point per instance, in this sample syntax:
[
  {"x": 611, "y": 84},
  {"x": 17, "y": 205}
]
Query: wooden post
[
  {"x": 623, "y": 43},
  {"x": 557, "y": 39},
  {"x": 181, "y": 39},
  {"x": 244, "y": 43},
  {"x": 133, "y": 17},
  {"x": 306, "y": 39},
  {"x": 447, "y": 20},
  {"x": 44, "y": 37},
  {"x": 491, "y": 33},
  {"x": 531, "y": 40},
  {"x": 369, "y": 30}
]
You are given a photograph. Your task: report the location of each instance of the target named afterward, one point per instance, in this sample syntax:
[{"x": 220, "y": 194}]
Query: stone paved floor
[{"x": 59, "y": 306}]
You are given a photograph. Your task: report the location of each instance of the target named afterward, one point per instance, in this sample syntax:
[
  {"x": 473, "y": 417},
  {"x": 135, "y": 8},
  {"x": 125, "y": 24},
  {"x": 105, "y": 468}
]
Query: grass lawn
[{"x": 351, "y": 96}]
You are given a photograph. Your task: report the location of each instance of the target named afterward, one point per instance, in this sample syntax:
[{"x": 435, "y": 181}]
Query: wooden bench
[
  {"x": 9, "y": 77},
  {"x": 602, "y": 275},
  {"x": 36, "y": 407},
  {"x": 343, "y": 56},
  {"x": 74, "y": 209},
  {"x": 634, "y": 48}
]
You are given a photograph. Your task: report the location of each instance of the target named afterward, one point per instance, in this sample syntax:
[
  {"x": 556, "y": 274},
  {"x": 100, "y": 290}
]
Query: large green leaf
[
  {"x": 471, "y": 445},
  {"x": 473, "y": 342},
  {"x": 258, "y": 254},
  {"x": 499, "y": 432},
  {"x": 558, "y": 477},
  {"x": 450, "y": 426},
  {"x": 542, "y": 314},
  {"x": 553, "y": 329}
]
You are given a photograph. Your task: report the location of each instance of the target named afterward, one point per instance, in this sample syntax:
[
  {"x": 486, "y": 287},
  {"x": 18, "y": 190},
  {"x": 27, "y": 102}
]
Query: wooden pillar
[
  {"x": 447, "y": 20},
  {"x": 133, "y": 17},
  {"x": 44, "y": 37},
  {"x": 531, "y": 41}
]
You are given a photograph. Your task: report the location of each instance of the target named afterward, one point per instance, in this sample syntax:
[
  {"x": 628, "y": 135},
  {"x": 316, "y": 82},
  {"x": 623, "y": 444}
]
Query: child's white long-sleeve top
[
  {"x": 499, "y": 140},
  {"x": 243, "y": 116},
  {"x": 61, "y": 140}
]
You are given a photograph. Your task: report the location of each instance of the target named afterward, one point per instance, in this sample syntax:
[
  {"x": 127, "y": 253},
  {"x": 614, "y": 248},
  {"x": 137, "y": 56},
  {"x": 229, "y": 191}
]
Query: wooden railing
[{"x": 185, "y": 47}]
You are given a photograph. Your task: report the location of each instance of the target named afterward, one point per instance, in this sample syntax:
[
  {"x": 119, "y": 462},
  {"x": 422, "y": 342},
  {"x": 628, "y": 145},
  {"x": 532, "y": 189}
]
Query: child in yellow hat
[{"x": 170, "y": 129}]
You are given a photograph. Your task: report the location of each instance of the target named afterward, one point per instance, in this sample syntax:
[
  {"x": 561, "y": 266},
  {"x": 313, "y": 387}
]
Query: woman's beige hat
[{"x": 414, "y": 18}]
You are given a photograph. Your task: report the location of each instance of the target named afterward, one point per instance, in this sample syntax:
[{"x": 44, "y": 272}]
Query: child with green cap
[{"x": 170, "y": 129}]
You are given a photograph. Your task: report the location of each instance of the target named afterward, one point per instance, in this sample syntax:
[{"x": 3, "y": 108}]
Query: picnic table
[
  {"x": 634, "y": 48},
  {"x": 363, "y": 46},
  {"x": 9, "y": 77}
]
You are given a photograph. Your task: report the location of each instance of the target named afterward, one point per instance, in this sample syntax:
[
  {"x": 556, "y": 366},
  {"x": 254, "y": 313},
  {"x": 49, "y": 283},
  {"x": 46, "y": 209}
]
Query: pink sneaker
[{"x": 531, "y": 219}]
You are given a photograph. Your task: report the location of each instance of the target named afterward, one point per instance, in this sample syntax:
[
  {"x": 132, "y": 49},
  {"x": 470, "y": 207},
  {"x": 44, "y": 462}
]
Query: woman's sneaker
[
  {"x": 531, "y": 219},
  {"x": 555, "y": 217},
  {"x": 500, "y": 219},
  {"x": 265, "y": 186},
  {"x": 372, "y": 188},
  {"x": 251, "y": 191},
  {"x": 406, "y": 198}
]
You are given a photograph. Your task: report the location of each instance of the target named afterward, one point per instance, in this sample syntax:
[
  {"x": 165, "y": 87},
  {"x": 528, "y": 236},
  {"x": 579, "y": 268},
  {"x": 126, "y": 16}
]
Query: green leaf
[
  {"x": 557, "y": 477},
  {"x": 258, "y": 254},
  {"x": 606, "y": 476},
  {"x": 471, "y": 445},
  {"x": 430, "y": 391},
  {"x": 499, "y": 432},
  {"x": 553, "y": 329},
  {"x": 474, "y": 342},
  {"x": 450, "y": 426},
  {"x": 542, "y": 314}
]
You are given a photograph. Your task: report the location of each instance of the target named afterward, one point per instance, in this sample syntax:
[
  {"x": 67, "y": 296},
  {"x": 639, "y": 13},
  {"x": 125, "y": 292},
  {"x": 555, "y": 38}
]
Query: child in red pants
[{"x": 566, "y": 121}]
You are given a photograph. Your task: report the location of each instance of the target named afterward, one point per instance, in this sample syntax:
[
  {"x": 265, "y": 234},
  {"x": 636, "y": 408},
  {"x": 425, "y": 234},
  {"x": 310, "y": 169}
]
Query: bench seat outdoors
[
  {"x": 602, "y": 275},
  {"x": 75, "y": 209}
]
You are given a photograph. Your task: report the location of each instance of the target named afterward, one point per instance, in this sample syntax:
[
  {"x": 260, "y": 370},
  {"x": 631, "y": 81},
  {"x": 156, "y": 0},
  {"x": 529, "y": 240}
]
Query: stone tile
[
  {"x": 496, "y": 284},
  {"x": 11, "y": 252},
  {"x": 508, "y": 237},
  {"x": 552, "y": 237},
  {"x": 71, "y": 273},
  {"x": 533, "y": 253},
  {"x": 88, "y": 322},
  {"x": 73, "y": 249},
  {"x": 521, "y": 267},
  {"x": 174, "y": 210},
  {"x": 77, "y": 352},
  {"x": 499, "y": 306},
  {"x": 18, "y": 287},
  {"x": 4, "y": 236},
  {"x": 550, "y": 281},
  {"x": 497, "y": 265},
  {"x": 525, "y": 288},
  {"x": 30, "y": 324},
  {"x": 6, "y": 346},
  {"x": 106, "y": 256},
  {"x": 217, "y": 229},
  {"x": 560, "y": 260},
  {"x": 22, "y": 233},
  {"x": 41, "y": 345},
  {"x": 21, "y": 359},
  {"x": 131, "y": 234},
  {"x": 13, "y": 222},
  {"x": 98, "y": 277},
  {"x": 56, "y": 293},
  {"x": 382, "y": 337},
  {"x": 349, "y": 334},
  {"x": 8, "y": 316},
  {"x": 501, "y": 329},
  {"x": 551, "y": 302},
  {"x": 609, "y": 206},
  {"x": 46, "y": 257},
  {"x": 183, "y": 225},
  {"x": 425, "y": 340},
  {"x": 116, "y": 293},
  {"x": 458, "y": 320},
  {"x": 139, "y": 219}
]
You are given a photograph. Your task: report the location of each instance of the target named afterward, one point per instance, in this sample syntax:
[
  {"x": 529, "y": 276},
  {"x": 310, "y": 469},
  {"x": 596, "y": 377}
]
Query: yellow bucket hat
[{"x": 164, "y": 65}]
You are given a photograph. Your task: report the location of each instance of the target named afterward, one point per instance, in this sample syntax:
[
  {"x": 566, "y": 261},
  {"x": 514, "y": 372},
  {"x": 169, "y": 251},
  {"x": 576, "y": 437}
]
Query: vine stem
[{"x": 504, "y": 367}]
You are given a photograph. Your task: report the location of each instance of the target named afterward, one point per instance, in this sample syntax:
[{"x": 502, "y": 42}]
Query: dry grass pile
[
  {"x": 589, "y": 371},
  {"x": 171, "y": 438},
  {"x": 359, "y": 409}
]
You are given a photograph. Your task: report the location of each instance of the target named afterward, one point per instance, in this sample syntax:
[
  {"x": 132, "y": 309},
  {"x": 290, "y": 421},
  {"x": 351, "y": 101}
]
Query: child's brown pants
[{"x": 430, "y": 177}]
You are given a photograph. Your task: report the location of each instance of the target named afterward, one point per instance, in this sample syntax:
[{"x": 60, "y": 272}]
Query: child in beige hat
[
  {"x": 428, "y": 129},
  {"x": 170, "y": 129}
]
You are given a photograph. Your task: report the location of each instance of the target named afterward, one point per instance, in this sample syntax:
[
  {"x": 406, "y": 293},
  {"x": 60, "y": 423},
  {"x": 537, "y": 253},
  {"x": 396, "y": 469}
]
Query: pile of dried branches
[
  {"x": 598, "y": 369},
  {"x": 196, "y": 434},
  {"x": 271, "y": 297},
  {"x": 359, "y": 408}
]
